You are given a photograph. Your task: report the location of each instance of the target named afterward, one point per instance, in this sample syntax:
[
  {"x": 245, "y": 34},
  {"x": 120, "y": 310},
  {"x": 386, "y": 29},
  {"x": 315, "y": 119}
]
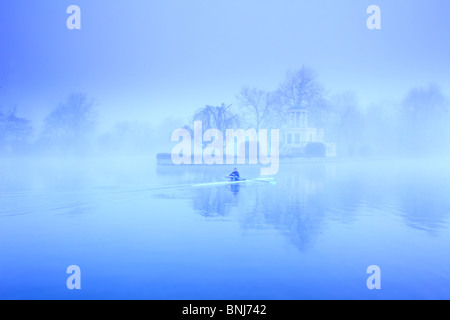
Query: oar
[
  {"x": 271, "y": 182},
  {"x": 239, "y": 179}
]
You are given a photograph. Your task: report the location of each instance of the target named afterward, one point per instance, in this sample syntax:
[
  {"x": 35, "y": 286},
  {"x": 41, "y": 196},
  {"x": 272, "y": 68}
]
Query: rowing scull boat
[{"x": 223, "y": 183}]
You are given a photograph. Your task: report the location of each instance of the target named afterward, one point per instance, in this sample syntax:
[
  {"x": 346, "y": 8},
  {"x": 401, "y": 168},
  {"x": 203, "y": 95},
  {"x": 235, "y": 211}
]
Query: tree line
[{"x": 417, "y": 125}]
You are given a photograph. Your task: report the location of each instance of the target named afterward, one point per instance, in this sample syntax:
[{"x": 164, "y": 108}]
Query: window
[
  {"x": 297, "y": 138},
  {"x": 292, "y": 119},
  {"x": 289, "y": 138}
]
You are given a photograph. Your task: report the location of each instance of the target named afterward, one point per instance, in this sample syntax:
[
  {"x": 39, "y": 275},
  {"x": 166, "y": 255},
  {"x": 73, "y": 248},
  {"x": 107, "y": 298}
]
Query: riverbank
[{"x": 164, "y": 159}]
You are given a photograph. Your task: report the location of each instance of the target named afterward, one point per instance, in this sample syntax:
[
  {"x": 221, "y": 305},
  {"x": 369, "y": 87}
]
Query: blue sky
[{"x": 146, "y": 60}]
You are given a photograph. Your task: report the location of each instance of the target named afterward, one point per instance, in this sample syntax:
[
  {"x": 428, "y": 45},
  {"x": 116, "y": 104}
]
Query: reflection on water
[
  {"x": 309, "y": 195},
  {"x": 214, "y": 201},
  {"x": 310, "y": 235},
  {"x": 235, "y": 188}
]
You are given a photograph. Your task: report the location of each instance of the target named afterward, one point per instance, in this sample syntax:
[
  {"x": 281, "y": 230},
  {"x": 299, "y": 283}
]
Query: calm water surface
[{"x": 142, "y": 232}]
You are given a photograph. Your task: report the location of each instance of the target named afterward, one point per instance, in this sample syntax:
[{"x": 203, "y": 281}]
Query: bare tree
[
  {"x": 220, "y": 118},
  {"x": 424, "y": 105},
  {"x": 425, "y": 120},
  {"x": 73, "y": 119},
  {"x": 263, "y": 106},
  {"x": 345, "y": 123},
  {"x": 71, "y": 123},
  {"x": 301, "y": 88},
  {"x": 14, "y": 131}
]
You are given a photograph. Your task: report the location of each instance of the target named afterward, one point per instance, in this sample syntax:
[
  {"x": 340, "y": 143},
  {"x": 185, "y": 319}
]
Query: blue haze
[
  {"x": 140, "y": 58},
  {"x": 140, "y": 230}
]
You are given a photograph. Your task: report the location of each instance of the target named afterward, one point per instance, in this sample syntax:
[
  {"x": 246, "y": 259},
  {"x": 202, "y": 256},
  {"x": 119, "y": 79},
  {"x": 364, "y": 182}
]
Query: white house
[{"x": 296, "y": 135}]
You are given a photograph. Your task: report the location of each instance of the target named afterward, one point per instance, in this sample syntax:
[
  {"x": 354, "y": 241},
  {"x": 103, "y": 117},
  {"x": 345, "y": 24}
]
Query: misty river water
[{"x": 139, "y": 231}]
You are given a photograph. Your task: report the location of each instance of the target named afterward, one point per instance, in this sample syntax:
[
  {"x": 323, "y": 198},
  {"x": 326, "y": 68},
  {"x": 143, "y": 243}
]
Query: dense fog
[
  {"x": 416, "y": 126},
  {"x": 224, "y": 149},
  {"x": 80, "y": 86}
]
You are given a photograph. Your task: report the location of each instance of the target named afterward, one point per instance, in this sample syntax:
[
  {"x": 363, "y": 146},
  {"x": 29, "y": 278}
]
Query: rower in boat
[{"x": 234, "y": 176}]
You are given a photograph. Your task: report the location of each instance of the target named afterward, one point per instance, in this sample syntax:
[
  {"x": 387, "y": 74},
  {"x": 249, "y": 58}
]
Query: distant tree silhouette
[
  {"x": 70, "y": 124},
  {"x": 346, "y": 123},
  {"x": 425, "y": 118},
  {"x": 15, "y": 132},
  {"x": 264, "y": 107},
  {"x": 220, "y": 118},
  {"x": 301, "y": 88}
]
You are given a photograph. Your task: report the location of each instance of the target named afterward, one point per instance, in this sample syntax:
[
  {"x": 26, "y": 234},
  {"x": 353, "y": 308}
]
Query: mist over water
[
  {"x": 86, "y": 151},
  {"x": 142, "y": 231}
]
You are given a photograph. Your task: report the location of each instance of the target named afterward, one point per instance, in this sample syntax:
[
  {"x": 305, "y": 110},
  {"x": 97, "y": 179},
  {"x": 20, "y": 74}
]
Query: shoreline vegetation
[
  {"x": 310, "y": 121},
  {"x": 150, "y": 159},
  {"x": 164, "y": 160}
]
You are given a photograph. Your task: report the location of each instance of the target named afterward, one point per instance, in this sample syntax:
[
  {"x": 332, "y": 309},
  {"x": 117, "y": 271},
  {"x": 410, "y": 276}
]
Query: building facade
[{"x": 296, "y": 135}]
